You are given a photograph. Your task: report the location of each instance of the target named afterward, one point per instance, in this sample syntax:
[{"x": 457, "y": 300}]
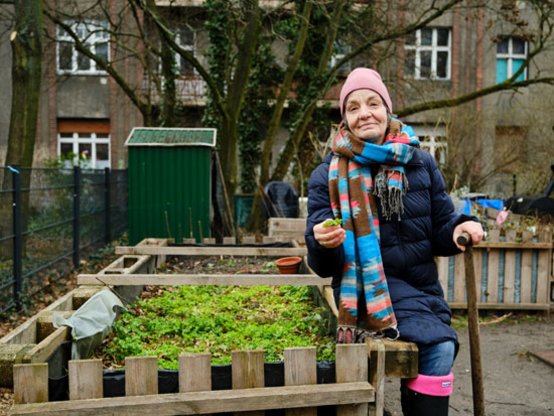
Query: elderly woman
[{"x": 395, "y": 217}]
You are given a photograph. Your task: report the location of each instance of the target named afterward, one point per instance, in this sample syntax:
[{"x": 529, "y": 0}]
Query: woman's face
[{"x": 366, "y": 115}]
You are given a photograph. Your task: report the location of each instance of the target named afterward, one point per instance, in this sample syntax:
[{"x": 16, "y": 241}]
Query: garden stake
[
  {"x": 473, "y": 328},
  {"x": 191, "y": 234},
  {"x": 200, "y": 231},
  {"x": 167, "y": 224}
]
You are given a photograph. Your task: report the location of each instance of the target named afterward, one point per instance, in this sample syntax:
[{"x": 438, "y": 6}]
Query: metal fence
[{"x": 49, "y": 219}]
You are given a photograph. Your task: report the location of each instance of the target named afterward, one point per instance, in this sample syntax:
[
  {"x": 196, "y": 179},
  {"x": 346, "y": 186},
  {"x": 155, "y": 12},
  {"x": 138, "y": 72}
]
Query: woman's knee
[{"x": 437, "y": 359}]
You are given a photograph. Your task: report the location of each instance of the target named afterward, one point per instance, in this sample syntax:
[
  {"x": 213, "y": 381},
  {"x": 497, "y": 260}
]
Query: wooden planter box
[{"x": 511, "y": 274}]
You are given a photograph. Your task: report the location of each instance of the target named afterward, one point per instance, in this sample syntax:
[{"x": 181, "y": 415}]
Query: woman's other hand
[
  {"x": 474, "y": 230},
  {"x": 329, "y": 236}
]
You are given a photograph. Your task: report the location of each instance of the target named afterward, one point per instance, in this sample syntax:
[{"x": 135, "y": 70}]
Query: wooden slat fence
[
  {"x": 352, "y": 392},
  {"x": 509, "y": 275}
]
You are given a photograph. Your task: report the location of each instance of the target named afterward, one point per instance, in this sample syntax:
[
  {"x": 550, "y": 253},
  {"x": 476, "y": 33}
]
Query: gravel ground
[{"x": 515, "y": 382}]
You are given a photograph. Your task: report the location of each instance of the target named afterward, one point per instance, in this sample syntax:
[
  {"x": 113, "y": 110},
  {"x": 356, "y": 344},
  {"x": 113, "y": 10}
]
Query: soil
[{"x": 515, "y": 382}]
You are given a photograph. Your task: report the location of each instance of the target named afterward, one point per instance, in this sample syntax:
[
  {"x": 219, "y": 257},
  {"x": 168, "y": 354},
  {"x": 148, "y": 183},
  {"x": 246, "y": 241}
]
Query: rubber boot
[
  {"x": 418, "y": 404},
  {"x": 426, "y": 395}
]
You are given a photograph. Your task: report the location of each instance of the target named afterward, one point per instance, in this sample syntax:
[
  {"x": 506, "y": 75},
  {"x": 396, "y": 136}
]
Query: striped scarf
[{"x": 352, "y": 188}]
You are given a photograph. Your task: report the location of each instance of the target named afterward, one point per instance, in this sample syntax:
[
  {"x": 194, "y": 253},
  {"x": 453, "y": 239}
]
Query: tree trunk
[
  {"x": 26, "y": 41},
  {"x": 168, "y": 94}
]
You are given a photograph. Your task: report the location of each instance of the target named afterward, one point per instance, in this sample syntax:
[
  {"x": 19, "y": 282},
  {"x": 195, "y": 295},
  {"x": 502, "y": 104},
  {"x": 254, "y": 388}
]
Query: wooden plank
[
  {"x": 329, "y": 297},
  {"x": 301, "y": 369},
  {"x": 85, "y": 379},
  {"x": 513, "y": 245},
  {"x": 492, "y": 284},
  {"x": 352, "y": 365},
  {"x": 45, "y": 323},
  {"x": 543, "y": 275},
  {"x": 247, "y": 371},
  {"x": 442, "y": 269},
  {"x": 506, "y": 306},
  {"x": 43, "y": 350},
  {"x": 401, "y": 358},
  {"x": 202, "y": 279},
  {"x": 459, "y": 279},
  {"x": 30, "y": 383},
  {"x": 141, "y": 376},
  {"x": 290, "y": 227},
  {"x": 526, "y": 275},
  {"x": 26, "y": 332},
  {"x": 509, "y": 275},
  {"x": 377, "y": 376},
  {"x": 208, "y": 402},
  {"x": 213, "y": 251},
  {"x": 195, "y": 372}
]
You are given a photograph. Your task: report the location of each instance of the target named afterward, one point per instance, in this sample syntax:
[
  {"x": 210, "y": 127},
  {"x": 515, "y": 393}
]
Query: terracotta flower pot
[{"x": 288, "y": 265}]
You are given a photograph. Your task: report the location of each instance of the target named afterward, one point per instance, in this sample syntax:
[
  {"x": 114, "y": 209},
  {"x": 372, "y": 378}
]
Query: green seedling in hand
[{"x": 330, "y": 222}]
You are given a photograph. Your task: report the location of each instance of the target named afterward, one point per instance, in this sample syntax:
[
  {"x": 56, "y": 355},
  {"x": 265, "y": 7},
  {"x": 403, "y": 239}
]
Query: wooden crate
[
  {"x": 287, "y": 228},
  {"x": 357, "y": 391},
  {"x": 509, "y": 275}
]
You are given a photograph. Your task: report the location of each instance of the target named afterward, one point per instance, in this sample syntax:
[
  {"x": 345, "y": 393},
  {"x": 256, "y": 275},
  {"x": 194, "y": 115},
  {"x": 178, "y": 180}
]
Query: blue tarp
[{"x": 485, "y": 203}]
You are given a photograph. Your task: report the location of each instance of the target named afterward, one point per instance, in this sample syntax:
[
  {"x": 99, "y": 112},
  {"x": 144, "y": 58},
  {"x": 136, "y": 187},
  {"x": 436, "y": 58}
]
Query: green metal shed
[{"x": 170, "y": 183}]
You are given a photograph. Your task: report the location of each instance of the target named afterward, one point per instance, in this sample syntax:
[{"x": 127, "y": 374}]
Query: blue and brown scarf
[{"x": 352, "y": 190}]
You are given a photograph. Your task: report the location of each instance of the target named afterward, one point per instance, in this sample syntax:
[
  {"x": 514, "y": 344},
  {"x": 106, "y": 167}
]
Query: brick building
[{"x": 84, "y": 111}]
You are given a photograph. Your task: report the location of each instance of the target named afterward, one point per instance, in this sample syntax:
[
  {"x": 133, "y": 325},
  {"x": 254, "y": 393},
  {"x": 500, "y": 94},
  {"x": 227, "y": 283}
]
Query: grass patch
[{"x": 219, "y": 319}]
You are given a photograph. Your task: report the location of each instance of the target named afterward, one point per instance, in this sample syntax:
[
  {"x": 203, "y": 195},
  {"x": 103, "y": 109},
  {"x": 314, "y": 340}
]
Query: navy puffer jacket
[{"x": 407, "y": 248}]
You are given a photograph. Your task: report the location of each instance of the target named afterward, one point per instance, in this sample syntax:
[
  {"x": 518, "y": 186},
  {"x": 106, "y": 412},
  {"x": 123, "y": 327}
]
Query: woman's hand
[
  {"x": 329, "y": 236},
  {"x": 474, "y": 230}
]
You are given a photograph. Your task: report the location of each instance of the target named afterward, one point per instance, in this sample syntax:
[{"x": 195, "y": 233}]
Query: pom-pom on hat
[{"x": 364, "y": 78}]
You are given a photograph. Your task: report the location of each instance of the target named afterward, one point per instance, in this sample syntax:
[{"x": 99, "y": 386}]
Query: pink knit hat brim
[{"x": 364, "y": 78}]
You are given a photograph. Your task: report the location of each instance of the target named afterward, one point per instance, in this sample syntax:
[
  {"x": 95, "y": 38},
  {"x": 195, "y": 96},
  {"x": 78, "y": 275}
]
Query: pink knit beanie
[{"x": 361, "y": 78}]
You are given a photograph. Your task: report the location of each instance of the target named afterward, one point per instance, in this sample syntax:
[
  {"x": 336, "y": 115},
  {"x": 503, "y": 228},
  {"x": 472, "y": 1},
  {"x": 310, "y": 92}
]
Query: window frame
[
  {"x": 93, "y": 140},
  {"x": 510, "y": 56},
  {"x": 95, "y": 33},
  {"x": 434, "y": 48},
  {"x": 188, "y": 47}
]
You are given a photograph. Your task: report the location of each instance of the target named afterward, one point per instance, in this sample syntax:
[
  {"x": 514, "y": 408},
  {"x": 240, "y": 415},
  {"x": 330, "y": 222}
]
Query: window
[
  {"x": 433, "y": 140},
  {"x": 186, "y": 39},
  {"x": 428, "y": 54},
  {"x": 511, "y": 53},
  {"x": 96, "y": 38},
  {"x": 84, "y": 143}
]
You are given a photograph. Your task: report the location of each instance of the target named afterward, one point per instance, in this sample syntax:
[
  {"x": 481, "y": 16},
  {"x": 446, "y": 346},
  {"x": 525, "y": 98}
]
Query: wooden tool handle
[{"x": 464, "y": 239}]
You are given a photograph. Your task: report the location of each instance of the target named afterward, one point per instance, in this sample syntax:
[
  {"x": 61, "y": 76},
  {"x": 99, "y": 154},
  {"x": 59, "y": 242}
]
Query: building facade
[{"x": 85, "y": 116}]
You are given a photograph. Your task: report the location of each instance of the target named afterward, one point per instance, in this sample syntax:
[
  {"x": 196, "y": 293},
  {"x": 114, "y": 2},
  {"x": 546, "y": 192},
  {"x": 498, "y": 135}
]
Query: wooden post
[
  {"x": 351, "y": 365},
  {"x": 195, "y": 372},
  {"x": 30, "y": 383},
  {"x": 248, "y": 372},
  {"x": 301, "y": 369},
  {"x": 377, "y": 375},
  {"x": 85, "y": 379},
  {"x": 141, "y": 376}
]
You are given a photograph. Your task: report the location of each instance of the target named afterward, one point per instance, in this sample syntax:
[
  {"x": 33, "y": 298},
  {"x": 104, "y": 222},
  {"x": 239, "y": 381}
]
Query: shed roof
[{"x": 159, "y": 136}]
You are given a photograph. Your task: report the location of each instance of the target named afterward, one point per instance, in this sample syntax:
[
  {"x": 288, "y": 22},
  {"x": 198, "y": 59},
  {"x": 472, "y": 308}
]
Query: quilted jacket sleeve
[
  {"x": 443, "y": 215},
  {"x": 324, "y": 262}
]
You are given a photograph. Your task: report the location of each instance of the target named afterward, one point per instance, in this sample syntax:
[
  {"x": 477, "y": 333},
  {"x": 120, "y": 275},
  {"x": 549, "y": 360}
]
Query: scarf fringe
[
  {"x": 359, "y": 335},
  {"x": 391, "y": 197}
]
